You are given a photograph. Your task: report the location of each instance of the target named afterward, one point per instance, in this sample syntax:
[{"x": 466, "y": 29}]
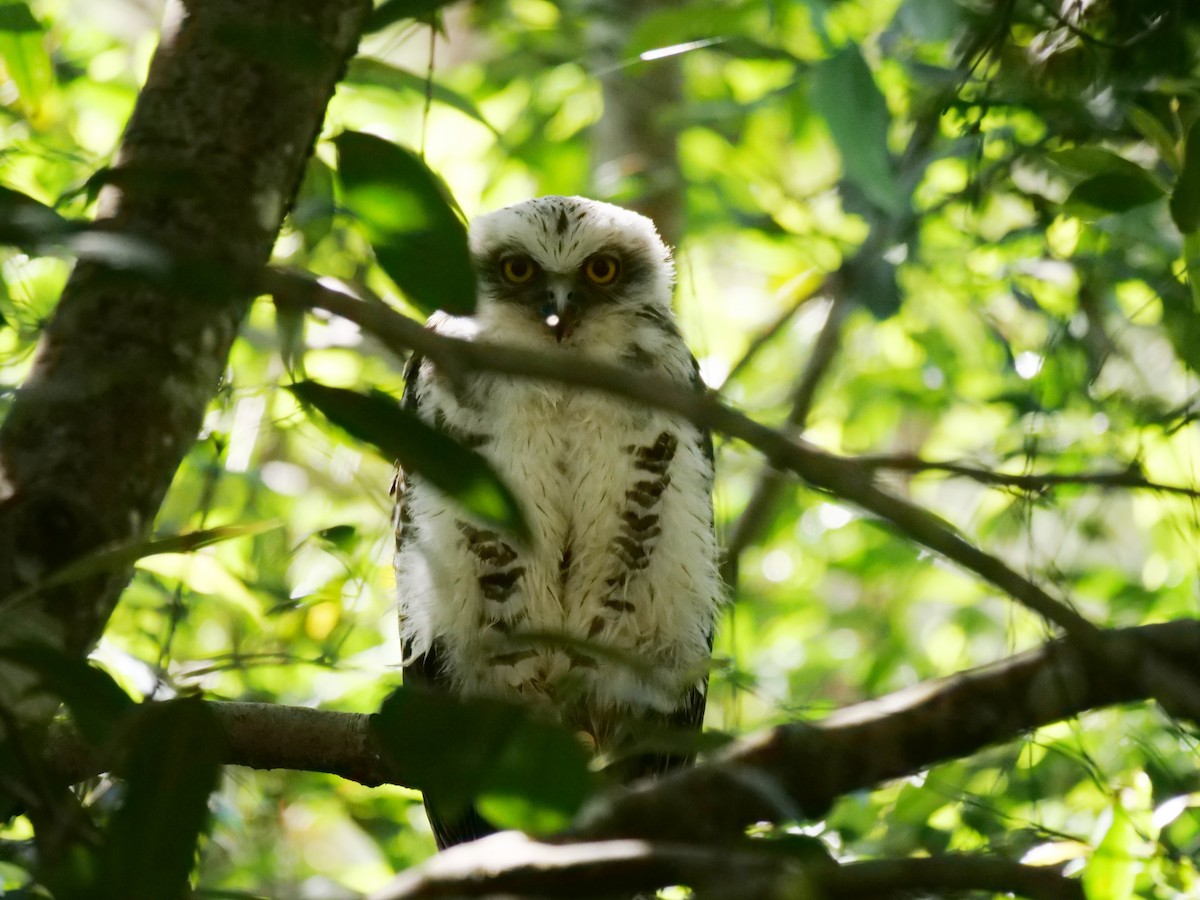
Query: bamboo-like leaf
[{"x": 115, "y": 557}]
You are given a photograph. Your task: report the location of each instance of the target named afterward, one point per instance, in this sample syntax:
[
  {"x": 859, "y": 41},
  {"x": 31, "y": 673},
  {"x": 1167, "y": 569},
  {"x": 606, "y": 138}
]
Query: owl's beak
[{"x": 563, "y": 309}]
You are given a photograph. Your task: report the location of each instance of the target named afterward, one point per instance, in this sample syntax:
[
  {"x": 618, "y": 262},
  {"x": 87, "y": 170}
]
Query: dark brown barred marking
[
  {"x": 648, "y": 493},
  {"x": 641, "y": 525},
  {"x": 499, "y": 580},
  {"x": 657, "y": 457},
  {"x": 499, "y": 586}
]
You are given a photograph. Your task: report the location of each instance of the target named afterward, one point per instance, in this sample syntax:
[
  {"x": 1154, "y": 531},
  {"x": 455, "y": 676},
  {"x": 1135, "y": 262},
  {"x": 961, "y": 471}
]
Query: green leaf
[
  {"x": 1112, "y": 871},
  {"x": 1185, "y": 198},
  {"x": 114, "y": 558},
  {"x": 26, "y": 223},
  {"x": 539, "y": 781},
  {"x": 96, "y": 702},
  {"x": 418, "y": 239},
  {"x": 341, "y": 537},
  {"x": 400, "y": 435},
  {"x": 844, "y": 93},
  {"x": 1150, "y": 127},
  {"x": 442, "y": 745},
  {"x": 522, "y": 772},
  {"x": 171, "y": 768},
  {"x": 23, "y": 56},
  {"x": 369, "y": 72},
  {"x": 312, "y": 213},
  {"x": 1086, "y": 162},
  {"x": 392, "y": 11},
  {"x": 1112, "y": 192}
]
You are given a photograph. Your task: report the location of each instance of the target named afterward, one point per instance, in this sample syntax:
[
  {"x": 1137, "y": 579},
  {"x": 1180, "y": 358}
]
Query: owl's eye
[
  {"x": 518, "y": 269},
  {"x": 602, "y": 269}
]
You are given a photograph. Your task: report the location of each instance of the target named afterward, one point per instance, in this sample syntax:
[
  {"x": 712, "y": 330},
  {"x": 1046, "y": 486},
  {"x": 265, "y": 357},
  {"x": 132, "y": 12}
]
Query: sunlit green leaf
[
  {"x": 846, "y": 96},
  {"x": 1112, "y": 871},
  {"x": 399, "y": 434},
  {"x": 24, "y": 57},
  {"x": 418, "y": 240}
]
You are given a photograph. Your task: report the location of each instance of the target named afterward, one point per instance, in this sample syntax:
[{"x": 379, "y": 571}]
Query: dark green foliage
[
  {"x": 520, "y": 772},
  {"x": 421, "y": 449}
]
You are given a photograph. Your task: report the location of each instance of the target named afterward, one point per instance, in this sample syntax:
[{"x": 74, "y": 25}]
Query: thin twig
[{"x": 1131, "y": 478}]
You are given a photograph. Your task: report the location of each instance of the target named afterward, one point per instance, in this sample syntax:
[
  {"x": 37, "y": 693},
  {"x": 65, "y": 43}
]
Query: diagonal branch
[
  {"x": 840, "y": 476},
  {"x": 821, "y": 469},
  {"x": 796, "y": 771},
  {"x": 791, "y": 772}
]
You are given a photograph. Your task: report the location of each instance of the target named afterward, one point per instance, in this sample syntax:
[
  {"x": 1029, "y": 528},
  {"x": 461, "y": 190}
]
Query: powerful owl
[{"x": 603, "y": 618}]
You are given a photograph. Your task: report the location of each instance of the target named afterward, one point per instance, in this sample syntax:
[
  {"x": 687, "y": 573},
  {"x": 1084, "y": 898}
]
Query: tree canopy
[{"x": 938, "y": 262}]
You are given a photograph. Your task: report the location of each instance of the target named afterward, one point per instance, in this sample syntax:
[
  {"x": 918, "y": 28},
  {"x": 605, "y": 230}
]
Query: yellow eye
[
  {"x": 602, "y": 269},
  {"x": 518, "y": 269}
]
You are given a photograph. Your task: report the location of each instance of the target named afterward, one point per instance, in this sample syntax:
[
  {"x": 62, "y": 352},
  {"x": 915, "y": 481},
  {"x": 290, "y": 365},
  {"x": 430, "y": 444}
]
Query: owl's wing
[
  {"x": 427, "y": 670},
  {"x": 689, "y": 715}
]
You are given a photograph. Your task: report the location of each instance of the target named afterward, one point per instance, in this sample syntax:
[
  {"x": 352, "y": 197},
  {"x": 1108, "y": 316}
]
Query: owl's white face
[{"x": 559, "y": 269}]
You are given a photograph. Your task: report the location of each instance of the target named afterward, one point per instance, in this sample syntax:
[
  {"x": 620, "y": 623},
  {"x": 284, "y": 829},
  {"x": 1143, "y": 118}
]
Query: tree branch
[
  {"x": 1130, "y": 478},
  {"x": 512, "y": 865},
  {"x": 796, "y": 771},
  {"x": 1178, "y": 690},
  {"x": 821, "y": 469},
  {"x": 789, "y": 773}
]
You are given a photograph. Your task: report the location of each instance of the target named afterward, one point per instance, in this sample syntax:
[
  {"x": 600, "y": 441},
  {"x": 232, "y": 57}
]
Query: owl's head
[{"x": 557, "y": 265}]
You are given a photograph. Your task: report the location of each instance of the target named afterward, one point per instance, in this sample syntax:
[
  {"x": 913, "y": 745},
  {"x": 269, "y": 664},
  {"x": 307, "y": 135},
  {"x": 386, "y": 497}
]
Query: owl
[{"x": 602, "y": 618}]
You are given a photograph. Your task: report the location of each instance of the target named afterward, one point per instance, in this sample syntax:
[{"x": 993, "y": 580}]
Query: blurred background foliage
[{"x": 992, "y": 202}]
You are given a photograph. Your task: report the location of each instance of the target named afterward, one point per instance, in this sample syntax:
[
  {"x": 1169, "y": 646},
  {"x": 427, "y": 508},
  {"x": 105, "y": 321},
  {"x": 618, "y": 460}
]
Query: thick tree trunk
[{"x": 210, "y": 160}]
